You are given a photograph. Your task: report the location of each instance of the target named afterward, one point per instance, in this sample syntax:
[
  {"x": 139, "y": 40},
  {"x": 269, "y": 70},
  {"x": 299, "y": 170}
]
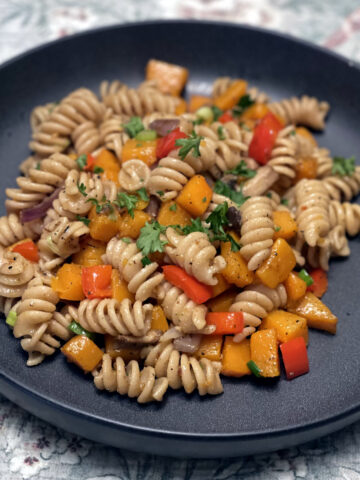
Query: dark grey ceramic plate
[{"x": 250, "y": 416}]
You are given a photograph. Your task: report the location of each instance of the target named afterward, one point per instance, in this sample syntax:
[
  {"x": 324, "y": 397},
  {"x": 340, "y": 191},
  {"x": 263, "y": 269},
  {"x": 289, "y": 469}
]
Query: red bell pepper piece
[
  {"x": 225, "y": 117},
  {"x": 320, "y": 285},
  {"x": 295, "y": 357},
  {"x": 167, "y": 143},
  {"x": 227, "y": 323},
  {"x": 264, "y": 138},
  {"x": 196, "y": 291},
  {"x": 96, "y": 281},
  {"x": 28, "y": 250},
  {"x": 90, "y": 163}
]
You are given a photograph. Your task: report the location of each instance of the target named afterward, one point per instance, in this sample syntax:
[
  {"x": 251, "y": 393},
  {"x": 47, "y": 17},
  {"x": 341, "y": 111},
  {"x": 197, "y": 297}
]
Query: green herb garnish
[
  {"x": 304, "y": 275},
  {"x": 38, "y": 166},
  {"x": 216, "y": 112},
  {"x": 220, "y": 132},
  {"x": 85, "y": 220},
  {"x": 124, "y": 200},
  {"x": 242, "y": 170},
  {"x": 244, "y": 103},
  {"x": 126, "y": 239},
  {"x": 134, "y": 126},
  {"x": 189, "y": 144},
  {"x": 284, "y": 201},
  {"x": 142, "y": 193},
  {"x": 254, "y": 368},
  {"x": 145, "y": 261},
  {"x": 79, "y": 330},
  {"x": 81, "y": 161},
  {"x": 82, "y": 189},
  {"x": 277, "y": 228},
  {"x": 160, "y": 193},
  {"x": 98, "y": 169},
  {"x": 149, "y": 239},
  {"x": 236, "y": 196},
  {"x": 173, "y": 207},
  {"x": 343, "y": 166}
]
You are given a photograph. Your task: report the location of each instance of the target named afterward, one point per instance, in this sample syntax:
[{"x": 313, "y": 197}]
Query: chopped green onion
[
  {"x": 304, "y": 275},
  {"x": 205, "y": 114},
  {"x": 146, "y": 135},
  {"x": 254, "y": 368},
  {"x": 79, "y": 330},
  {"x": 11, "y": 318}
]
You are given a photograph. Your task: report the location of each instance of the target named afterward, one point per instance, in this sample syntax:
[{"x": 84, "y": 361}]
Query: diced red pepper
[
  {"x": 90, "y": 163},
  {"x": 28, "y": 250},
  {"x": 295, "y": 357},
  {"x": 225, "y": 117},
  {"x": 167, "y": 143},
  {"x": 320, "y": 285},
  {"x": 196, "y": 291},
  {"x": 227, "y": 323},
  {"x": 264, "y": 138},
  {"x": 96, "y": 281}
]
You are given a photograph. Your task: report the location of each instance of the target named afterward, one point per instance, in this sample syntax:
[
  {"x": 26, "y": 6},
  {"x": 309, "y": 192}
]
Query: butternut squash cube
[
  {"x": 83, "y": 352},
  {"x": 222, "y": 302},
  {"x": 235, "y": 358},
  {"x": 317, "y": 314},
  {"x": 264, "y": 352},
  {"x": 181, "y": 107},
  {"x": 103, "y": 227},
  {"x": 304, "y": 132},
  {"x": 119, "y": 287},
  {"x": 67, "y": 283},
  {"x": 90, "y": 253},
  {"x": 285, "y": 225},
  {"x": 221, "y": 286},
  {"x": 109, "y": 163},
  {"x": 287, "y": 325},
  {"x": 306, "y": 167},
  {"x": 144, "y": 150},
  {"x": 295, "y": 287},
  {"x": 195, "y": 196},
  {"x": 158, "y": 319},
  {"x": 130, "y": 227},
  {"x": 231, "y": 96},
  {"x": 277, "y": 267},
  {"x": 170, "y": 78},
  {"x": 236, "y": 270},
  {"x": 210, "y": 347},
  {"x": 198, "y": 101},
  {"x": 171, "y": 213}
]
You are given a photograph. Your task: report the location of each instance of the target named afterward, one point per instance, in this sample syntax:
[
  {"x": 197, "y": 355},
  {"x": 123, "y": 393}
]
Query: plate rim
[{"x": 151, "y": 431}]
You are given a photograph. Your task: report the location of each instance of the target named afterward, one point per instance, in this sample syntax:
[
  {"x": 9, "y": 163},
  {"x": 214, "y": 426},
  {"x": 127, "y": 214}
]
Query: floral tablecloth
[{"x": 32, "y": 449}]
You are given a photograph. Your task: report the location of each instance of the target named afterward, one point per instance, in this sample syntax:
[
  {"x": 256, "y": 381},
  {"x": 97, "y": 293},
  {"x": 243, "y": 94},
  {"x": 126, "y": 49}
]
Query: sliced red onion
[
  {"x": 154, "y": 206},
  {"x": 187, "y": 343},
  {"x": 39, "y": 210},
  {"x": 163, "y": 126}
]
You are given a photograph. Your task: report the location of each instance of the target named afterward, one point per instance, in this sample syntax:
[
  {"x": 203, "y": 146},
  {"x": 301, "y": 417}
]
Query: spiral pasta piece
[
  {"x": 15, "y": 274},
  {"x": 169, "y": 176},
  {"x": 110, "y": 88},
  {"x": 345, "y": 187},
  {"x": 139, "y": 102},
  {"x": 256, "y": 301},
  {"x": 183, "y": 312},
  {"x": 312, "y": 214},
  {"x": 53, "y": 135},
  {"x": 134, "y": 174},
  {"x": 12, "y": 230},
  {"x": 40, "y": 114},
  {"x": 115, "y": 318},
  {"x": 257, "y": 230},
  {"x": 205, "y": 161},
  {"x": 283, "y": 159},
  {"x": 86, "y": 137},
  {"x": 183, "y": 371},
  {"x": 345, "y": 214},
  {"x": 195, "y": 254},
  {"x": 307, "y": 111},
  {"x": 35, "y": 311},
  {"x": 130, "y": 380},
  {"x": 112, "y": 133},
  {"x": 324, "y": 162},
  {"x": 126, "y": 257}
]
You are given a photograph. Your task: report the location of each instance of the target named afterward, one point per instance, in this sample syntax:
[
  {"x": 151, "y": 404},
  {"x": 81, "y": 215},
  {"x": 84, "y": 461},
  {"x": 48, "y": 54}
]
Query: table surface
[{"x": 30, "y": 448}]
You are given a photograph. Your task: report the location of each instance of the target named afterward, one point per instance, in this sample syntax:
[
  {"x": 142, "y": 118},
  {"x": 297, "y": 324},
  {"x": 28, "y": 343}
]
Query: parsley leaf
[
  {"x": 188, "y": 144},
  {"x": 216, "y": 112},
  {"x": 126, "y": 239},
  {"x": 124, "y": 200},
  {"x": 284, "y": 201},
  {"x": 82, "y": 189},
  {"x": 38, "y": 166},
  {"x": 149, "y": 239},
  {"x": 277, "y": 228},
  {"x": 103, "y": 206},
  {"x": 343, "y": 166},
  {"x": 196, "y": 226},
  {"x": 98, "y": 169},
  {"x": 145, "y": 261},
  {"x": 218, "y": 220},
  {"x": 245, "y": 102},
  {"x": 81, "y": 161},
  {"x": 220, "y": 132},
  {"x": 242, "y": 170},
  {"x": 85, "y": 220},
  {"x": 160, "y": 193},
  {"x": 142, "y": 193},
  {"x": 134, "y": 126},
  {"x": 173, "y": 207},
  {"x": 223, "y": 189}
]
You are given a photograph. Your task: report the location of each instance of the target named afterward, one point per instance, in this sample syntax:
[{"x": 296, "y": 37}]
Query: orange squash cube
[
  {"x": 90, "y": 253},
  {"x": 231, "y": 96},
  {"x": 306, "y": 167},
  {"x": 144, "y": 150},
  {"x": 83, "y": 352},
  {"x": 103, "y": 227},
  {"x": 235, "y": 358},
  {"x": 285, "y": 225},
  {"x": 181, "y": 107},
  {"x": 196, "y": 195},
  {"x": 255, "y": 112},
  {"x": 171, "y": 213},
  {"x": 158, "y": 320},
  {"x": 198, "y": 101},
  {"x": 295, "y": 287},
  {"x": 210, "y": 347},
  {"x": 264, "y": 352},
  {"x": 170, "y": 78},
  {"x": 119, "y": 287},
  {"x": 221, "y": 286},
  {"x": 223, "y": 302},
  {"x": 304, "y": 132},
  {"x": 67, "y": 283},
  {"x": 130, "y": 227},
  {"x": 287, "y": 325},
  {"x": 236, "y": 270},
  {"x": 277, "y": 267}
]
